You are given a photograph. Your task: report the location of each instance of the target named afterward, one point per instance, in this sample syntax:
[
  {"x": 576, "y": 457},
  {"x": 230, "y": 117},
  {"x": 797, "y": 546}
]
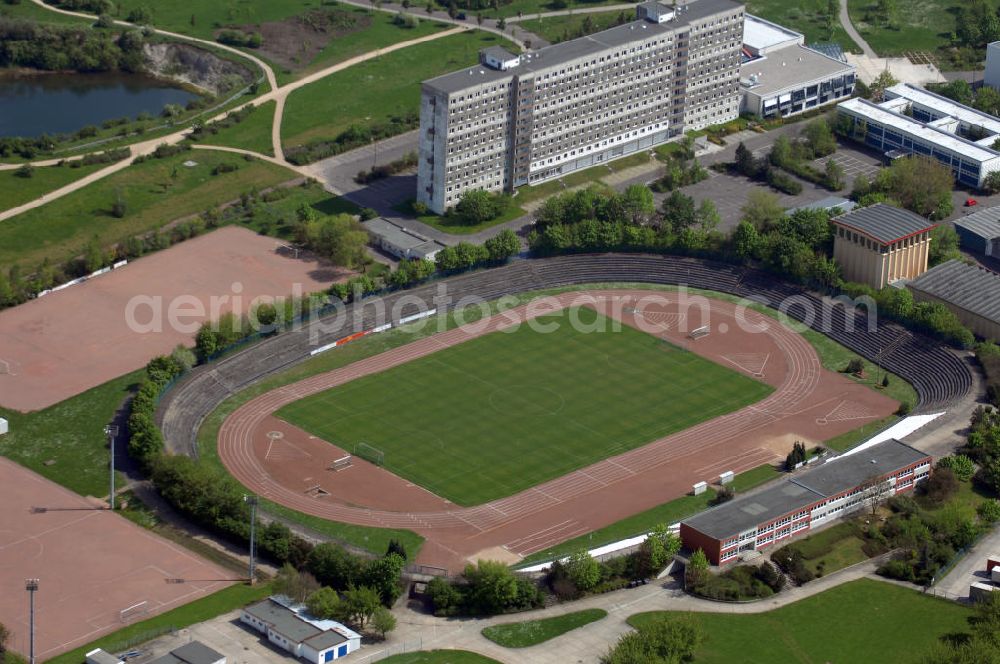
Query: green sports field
[{"x": 509, "y": 410}]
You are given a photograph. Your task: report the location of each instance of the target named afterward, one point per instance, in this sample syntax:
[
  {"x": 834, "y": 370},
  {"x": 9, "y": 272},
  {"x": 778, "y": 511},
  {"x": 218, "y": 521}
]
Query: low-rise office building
[
  {"x": 290, "y": 627},
  {"x": 971, "y": 292},
  {"x": 979, "y": 232},
  {"x": 838, "y": 487},
  {"x": 400, "y": 241},
  {"x": 780, "y": 76},
  {"x": 522, "y": 119},
  {"x": 914, "y": 121},
  {"x": 880, "y": 244}
]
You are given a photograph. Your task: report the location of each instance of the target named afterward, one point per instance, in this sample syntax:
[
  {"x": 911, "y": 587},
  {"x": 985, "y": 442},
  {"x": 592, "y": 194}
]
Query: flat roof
[
  {"x": 884, "y": 223},
  {"x": 196, "y": 652},
  {"x": 985, "y": 223},
  {"x": 945, "y": 105},
  {"x": 558, "y": 54},
  {"x": 789, "y": 67},
  {"x": 760, "y": 33},
  {"x": 837, "y": 475},
  {"x": 848, "y": 471},
  {"x": 283, "y": 620},
  {"x": 913, "y": 127},
  {"x": 741, "y": 514},
  {"x": 500, "y": 53},
  {"x": 325, "y": 640},
  {"x": 398, "y": 235},
  {"x": 828, "y": 203},
  {"x": 973, "y": 288}
]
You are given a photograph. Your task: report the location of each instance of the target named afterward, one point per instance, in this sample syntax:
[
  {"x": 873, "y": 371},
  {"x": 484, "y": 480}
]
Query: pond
[{"x": 62, "y": 103}]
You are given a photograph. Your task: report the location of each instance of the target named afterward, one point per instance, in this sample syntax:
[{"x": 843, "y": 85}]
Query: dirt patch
[
  {"x": 69, "y": 341},
  {"x": 91, "y": 563},
  {"x": 294, "y": 42},
  {"x": 782, "y": 445}
]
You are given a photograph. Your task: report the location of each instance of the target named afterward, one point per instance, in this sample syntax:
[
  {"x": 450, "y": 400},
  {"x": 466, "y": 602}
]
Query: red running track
[{"x": 806, "y": 402}]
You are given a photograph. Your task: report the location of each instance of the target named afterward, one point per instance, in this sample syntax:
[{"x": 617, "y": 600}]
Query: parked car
[{"x": 969, "y": 202}]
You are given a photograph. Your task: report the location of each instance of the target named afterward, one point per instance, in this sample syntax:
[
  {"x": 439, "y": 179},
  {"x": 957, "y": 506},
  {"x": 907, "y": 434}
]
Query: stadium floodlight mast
[
  {"x": 251, "y": 500},
  {"x": 111, "y": 431},
  {"x": 31, "y": 585}
]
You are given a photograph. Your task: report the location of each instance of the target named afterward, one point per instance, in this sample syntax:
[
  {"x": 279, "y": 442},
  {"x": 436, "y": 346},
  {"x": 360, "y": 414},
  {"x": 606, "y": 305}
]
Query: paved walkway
[
  {"x": 845, "y": 22},
  {"x": 588, "y": 643}
]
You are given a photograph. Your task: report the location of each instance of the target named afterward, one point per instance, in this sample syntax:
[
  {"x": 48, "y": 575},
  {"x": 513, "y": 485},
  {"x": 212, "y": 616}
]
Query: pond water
[{"x": 62, "y": 103}]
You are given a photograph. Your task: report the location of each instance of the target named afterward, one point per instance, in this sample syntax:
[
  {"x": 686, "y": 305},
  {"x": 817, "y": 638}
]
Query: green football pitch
[{"x": 509, "y": 410}]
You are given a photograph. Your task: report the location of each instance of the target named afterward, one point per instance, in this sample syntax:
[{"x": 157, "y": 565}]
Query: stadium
[{"x": 483, "y": 440}]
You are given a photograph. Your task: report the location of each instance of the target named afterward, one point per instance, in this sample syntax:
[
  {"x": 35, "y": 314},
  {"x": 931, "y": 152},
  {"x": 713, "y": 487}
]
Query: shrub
[
  {"x": 989, "y": 511},
  {"x": 940, "y": 486},
  {"x": 25, "y": 171},
  {"x": 792, "y": 563},
  {"x": 959, "y": 464}
]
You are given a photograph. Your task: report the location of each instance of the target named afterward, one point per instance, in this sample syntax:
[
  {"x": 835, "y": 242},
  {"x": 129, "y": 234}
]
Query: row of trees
[
  {"x": 58, "y": 48},
  {"x": 486, "y": 588}
]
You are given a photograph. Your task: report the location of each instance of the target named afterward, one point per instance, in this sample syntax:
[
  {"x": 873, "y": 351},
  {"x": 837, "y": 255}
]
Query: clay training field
[
  {"x": 91, "y": 564},
  {"x": 50, "y": 351},
  {"x": 503, "y": 412},
  {"x": 634, "y": 456}
]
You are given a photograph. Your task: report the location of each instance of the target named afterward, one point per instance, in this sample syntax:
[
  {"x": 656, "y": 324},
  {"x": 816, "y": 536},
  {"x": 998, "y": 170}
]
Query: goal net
[
  {"x": 370, "y": 453},
  {"x": 130, "y": 613},
  {"x": 343, "y": 463}
]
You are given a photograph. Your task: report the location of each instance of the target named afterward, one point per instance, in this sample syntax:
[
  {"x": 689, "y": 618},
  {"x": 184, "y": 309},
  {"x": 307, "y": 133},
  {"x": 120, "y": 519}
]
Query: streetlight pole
[
  {"x": 111, "y": 431},
  {"x": 251, "y": 500},
  {"x": 31, "y": 585}
]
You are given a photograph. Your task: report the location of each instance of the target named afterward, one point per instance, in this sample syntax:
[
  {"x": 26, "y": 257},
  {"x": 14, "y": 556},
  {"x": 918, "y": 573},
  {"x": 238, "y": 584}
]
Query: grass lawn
[
  {"x": 450, "y": 225},
  {"x": 594, "y": 174},
  {"x": 528, "y": 7},
  {"x": 15, "y": 190},
  {"x": 754, "y": 477},
  {"x": 860, "y": 621},
  {"x": 846, "y": 441},
  {"x": 805, "y": 16},
  {"x": 254, "y": 133},
  {"x": 924, "y": 25},
  {"x": 200, "y": 610},
  {"x": 561, "y": 28},
  {"x": 155, "y": 192},
  {"x": 29, "y": 11},
  {"x": 72, "y": 434},
  {"x": 509, "y": 410},
  {"x": 376, "y": 90},
  {"x": 440, "y": 657},
  {"x": 533, "y": 632},
  {"x": 832, "y": 548},
  {"x": 381, "y": 33}
]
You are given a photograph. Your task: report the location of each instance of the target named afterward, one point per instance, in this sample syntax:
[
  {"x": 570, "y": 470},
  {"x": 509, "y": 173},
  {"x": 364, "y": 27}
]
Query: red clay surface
[
  {"x": 72, "y": 340},
  {"x": 809, "y": 403},
  {"x": 90, "y": 563}
]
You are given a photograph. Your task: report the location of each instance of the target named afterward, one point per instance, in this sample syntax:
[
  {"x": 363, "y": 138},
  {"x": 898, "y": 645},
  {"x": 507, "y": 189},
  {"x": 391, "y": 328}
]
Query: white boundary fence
[{"x": 382, "y": 651}]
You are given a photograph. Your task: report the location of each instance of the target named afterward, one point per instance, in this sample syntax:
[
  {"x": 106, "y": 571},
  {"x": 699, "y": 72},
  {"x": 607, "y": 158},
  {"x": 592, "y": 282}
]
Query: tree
[
  {"x": 762, "y": 209},
  {"x": 294, "y": 584},
  {"x": 876, "y": 91},
  {"x": 819, "y": 137},
  {"x": 875, "y": 490},
  {"x": 708, "y": 216},
  {"x": 383, "y": 621},
  {"x": 746, "y": 240},
  {"x": 833, "y": 175},
  {"x": 940, "y": 486},
  {"x": 991, "y": 182},
  {"x": 679, "y": 211},
  {"x": 638, "y": 202},
  {"x": 325, "y": 604},
  {"x": 962, "y": 466},
  {"x": 333, "y": 566},
  {"x": 583, "y": 571},
  {"x": 503, "y": 245},
  {"x": 476, "y": 206},
  {"x": 697, "y": 568},
  {"x": 920, "y": 184},
  {"x": 395, "y": 546},
  {"x": 94, "y": 256},
  {"x": 796, "y": 456},
  {"x": 664, "y": 641},
  {"x": 360, "y": 604},
  {"x": 888, "y": 12},
  {"x": 664, "y": 545},
  {"x": 781, "y": 151},
  {"x": 382, "y": 575},
  {"x": 959, "y": 90},
  {"x": 745, "y": 163}
]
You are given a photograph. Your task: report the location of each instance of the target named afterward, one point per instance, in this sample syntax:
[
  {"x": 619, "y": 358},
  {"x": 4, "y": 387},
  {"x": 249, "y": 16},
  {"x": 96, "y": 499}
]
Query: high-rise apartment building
[{"x": 521, "y": 119}]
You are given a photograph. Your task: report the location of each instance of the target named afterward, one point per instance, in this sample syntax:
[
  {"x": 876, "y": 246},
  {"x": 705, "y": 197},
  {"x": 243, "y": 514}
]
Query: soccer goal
[
  {"x": 130, "y": 613},
  {"x": 370, "y": 453},
  {"x": 343, "y": 463}
]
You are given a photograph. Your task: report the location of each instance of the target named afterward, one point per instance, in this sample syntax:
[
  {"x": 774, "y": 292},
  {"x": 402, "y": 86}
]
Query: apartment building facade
[{"x": 523, "y": 119}]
